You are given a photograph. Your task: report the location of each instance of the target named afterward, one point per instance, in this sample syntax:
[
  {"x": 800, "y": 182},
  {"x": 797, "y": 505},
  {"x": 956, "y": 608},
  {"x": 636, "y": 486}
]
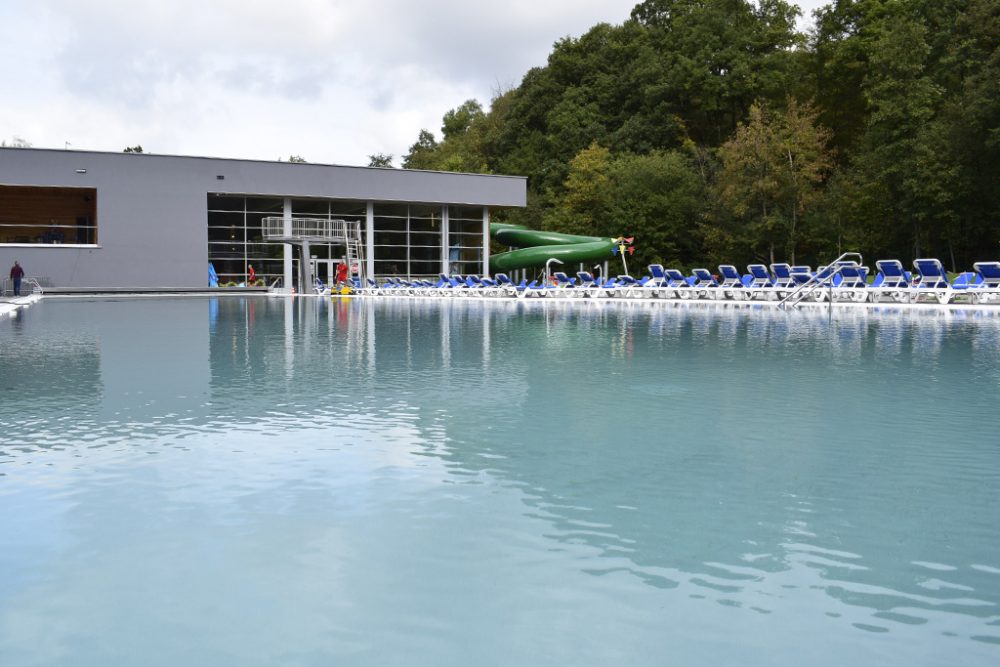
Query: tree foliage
[
  {"x": 380, "y": 160},
  {"x": 879, "y": 131}
]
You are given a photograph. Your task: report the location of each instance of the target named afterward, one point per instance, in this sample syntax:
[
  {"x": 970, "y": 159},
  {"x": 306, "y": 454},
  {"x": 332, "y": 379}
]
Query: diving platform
[{"x": 305, "y": 231}]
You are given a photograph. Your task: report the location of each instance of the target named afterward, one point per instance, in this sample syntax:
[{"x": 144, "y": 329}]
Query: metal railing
[
  {"x": 29, "y": 285},
  {"x": 822, "y": 278},
  {"x": 311, "y": 229}
]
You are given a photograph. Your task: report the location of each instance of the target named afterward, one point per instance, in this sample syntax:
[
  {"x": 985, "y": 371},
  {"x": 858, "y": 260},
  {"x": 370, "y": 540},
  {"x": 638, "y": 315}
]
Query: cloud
[{"x": 331, "y": 80}]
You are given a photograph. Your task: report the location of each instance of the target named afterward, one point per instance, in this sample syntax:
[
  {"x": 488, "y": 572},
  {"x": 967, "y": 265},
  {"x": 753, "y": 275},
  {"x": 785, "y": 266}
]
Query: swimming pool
[{"x": 273, "y": 481}]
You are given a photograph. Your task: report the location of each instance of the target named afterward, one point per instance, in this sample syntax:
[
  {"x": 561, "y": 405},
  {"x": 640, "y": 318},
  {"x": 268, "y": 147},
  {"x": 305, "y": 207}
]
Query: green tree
[
  {"x": 772, "y": 170},
  {"x": 380, "y": 160},
  {"x": 421, "y": 155},
  {"x": 584, "y": 207},
  {"x": 133, "y": 149}
]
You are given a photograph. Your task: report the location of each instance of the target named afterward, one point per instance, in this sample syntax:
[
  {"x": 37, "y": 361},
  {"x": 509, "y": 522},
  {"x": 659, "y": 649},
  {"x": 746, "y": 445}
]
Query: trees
[
  {"x": 15, "y": 142},
  {"x": 909, "y": 164},
  {"x": 657, "y": 198},
  {"x": 772, "y": 170},
  {"x": 380, "y": 160}
]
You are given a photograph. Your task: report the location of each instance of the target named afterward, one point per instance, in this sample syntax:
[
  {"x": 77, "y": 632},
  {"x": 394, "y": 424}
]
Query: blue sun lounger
[
  {"x": 892, "y": 281},
  {"x": 761, "y": 282},
  {"x": 677, "y": 285},
  {"x": 731, "y": 286},
  {"x": 705, "y": 285},
  {"x": 987, "y": 286},
  {"x": 932, "y": 281},
  {"x": 783, "y": 279}
]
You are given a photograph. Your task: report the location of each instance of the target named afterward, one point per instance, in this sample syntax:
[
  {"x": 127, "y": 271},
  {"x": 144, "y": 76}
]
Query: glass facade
[
  {"x": 235, "y": 238},
  {"x": 407, "y": 239},
  {"x": 465, "y": 239}
]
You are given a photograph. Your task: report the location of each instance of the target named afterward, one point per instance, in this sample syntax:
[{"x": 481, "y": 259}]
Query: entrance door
[{"x": 325, "y": 270}]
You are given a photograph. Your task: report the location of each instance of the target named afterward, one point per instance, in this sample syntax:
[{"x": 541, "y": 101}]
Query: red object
[
  {"x": 252, "y": 275},
  {"x": 341, "y": 273}
]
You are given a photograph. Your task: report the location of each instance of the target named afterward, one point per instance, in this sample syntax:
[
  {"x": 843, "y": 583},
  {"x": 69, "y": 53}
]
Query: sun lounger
[
  {"x": 988, "y": 280},
  {"x": 705, "y": 285},
  {"x": 761, "y": 281},
  {"x": 932, "y": 281},
  {"x": 850, "y": 282},
  {"x": 677, "y": 285},
  {"x": 783, "y": 276}
]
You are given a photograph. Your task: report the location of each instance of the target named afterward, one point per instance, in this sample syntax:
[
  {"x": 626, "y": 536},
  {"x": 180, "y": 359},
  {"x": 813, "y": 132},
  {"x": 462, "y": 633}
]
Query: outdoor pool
[{"x": 269, "y": 481}]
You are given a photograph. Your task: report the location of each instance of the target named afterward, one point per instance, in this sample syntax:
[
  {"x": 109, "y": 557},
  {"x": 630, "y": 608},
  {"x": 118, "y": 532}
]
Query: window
[
  {"x": 465, "y": 239},
  {"x": 236, "y": 237},
  {"x": 48, "y": 215},
  {"x": 407, "y": 239}
]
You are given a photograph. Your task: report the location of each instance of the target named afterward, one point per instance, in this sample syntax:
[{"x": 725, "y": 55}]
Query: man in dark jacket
[{"x": 16, "y": 273}]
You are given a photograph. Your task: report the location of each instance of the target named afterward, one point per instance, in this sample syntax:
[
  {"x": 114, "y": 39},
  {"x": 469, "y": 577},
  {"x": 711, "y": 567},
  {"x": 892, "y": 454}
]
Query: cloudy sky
[{"x": 330, "y": 80}]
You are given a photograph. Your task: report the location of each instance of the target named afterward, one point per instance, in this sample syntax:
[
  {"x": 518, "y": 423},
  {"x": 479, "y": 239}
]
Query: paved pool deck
[{"x": 9, "y": 304}]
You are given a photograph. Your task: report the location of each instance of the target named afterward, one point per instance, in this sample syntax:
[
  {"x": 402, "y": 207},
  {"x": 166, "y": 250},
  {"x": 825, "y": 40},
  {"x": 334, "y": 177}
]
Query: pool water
[{"x": 270, "y": 481}]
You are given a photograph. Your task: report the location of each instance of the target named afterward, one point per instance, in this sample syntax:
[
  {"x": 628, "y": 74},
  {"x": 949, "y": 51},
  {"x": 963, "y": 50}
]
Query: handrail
[
  {"x": 320, "y": 229},
  {"x": 26, "y": 281},
  {"x": 824, "y": 276}
]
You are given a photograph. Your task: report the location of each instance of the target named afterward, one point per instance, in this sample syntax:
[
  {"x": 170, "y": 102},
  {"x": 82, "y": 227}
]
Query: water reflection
[{"x": 831, "y": 472}]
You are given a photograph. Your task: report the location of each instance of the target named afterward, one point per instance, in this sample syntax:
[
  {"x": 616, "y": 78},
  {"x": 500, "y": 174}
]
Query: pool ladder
[{"x": 823, "y": 278}]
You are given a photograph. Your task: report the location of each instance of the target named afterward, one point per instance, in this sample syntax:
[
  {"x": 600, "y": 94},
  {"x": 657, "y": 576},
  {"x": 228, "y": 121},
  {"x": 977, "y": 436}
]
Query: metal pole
[
  {"x": 547, "y": 269},
  {"x": 286, "y": 220}
]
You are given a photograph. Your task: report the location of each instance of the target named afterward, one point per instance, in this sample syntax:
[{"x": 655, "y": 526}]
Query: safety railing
[
  {"x": 311, "y": 229},
  {"x": 29, "y": 285},
  {"x": 822, "y": 278}
]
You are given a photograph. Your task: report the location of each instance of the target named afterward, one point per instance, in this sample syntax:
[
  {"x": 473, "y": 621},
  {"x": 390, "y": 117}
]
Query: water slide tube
[{"x": 537, "y": 247}]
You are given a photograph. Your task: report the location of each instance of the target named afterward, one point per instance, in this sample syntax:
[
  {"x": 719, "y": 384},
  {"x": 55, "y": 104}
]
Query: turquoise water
[{"x": 278, "y": 482}]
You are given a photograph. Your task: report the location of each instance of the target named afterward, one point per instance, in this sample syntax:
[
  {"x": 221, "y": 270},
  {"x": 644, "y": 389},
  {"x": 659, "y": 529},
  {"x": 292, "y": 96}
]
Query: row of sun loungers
[{"x": 843, "y": 282}]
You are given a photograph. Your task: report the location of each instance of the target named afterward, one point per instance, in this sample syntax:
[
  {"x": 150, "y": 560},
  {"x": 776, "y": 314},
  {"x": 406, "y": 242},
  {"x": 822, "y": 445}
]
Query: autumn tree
[{"x": 771, "y": 174}]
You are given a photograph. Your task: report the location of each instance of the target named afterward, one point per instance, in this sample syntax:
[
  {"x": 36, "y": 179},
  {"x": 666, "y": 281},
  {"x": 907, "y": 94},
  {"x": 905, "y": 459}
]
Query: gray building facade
[{"x": 94, "y": 219}]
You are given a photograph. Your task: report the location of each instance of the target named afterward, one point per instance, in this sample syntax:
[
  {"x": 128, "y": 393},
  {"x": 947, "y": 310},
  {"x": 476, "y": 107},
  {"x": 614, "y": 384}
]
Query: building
[{"x": 112, "y": 220}]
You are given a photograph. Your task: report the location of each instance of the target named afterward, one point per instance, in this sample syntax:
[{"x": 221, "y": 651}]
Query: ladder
[
  {"x": 823, "y": 278},
  {"x": 355, "y": 251}
]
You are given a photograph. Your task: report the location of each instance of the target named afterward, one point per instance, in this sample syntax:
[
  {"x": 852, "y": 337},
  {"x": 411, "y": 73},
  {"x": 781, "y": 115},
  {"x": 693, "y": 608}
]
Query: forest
[{"x": 713, "y": 131}]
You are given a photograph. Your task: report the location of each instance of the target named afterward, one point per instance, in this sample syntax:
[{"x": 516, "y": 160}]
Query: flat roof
[{"x": 76, "y": 168}]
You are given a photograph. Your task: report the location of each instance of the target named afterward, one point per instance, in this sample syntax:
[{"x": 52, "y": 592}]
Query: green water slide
[{"x": 537, "y": 247}]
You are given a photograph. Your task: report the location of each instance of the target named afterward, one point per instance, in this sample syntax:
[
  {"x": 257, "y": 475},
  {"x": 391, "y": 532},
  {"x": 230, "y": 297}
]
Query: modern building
[{"x": 112, "y": 220}]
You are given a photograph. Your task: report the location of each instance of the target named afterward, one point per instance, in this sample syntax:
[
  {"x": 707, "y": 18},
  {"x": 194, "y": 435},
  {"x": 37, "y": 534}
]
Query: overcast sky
[{"x": 330, "y": 80}]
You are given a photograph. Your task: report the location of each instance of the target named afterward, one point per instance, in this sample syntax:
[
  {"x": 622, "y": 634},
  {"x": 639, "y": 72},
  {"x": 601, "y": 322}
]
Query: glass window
[
  {"x": 394, "y": 210},
  {"x": 390, "y": 224},
  {"x": 311, "y": 207},
  {"x": 343, "y": 207},
  {"x": 48, "y": 215},
  {"x": 391, "y": 253},
  {"x": 465, "y": 213},
  {"x": 270, "y": 205},
  {"x": 425, "y": 225},
  {"x": 221, "y": 202},
  {"x": 425, "y": 240}
]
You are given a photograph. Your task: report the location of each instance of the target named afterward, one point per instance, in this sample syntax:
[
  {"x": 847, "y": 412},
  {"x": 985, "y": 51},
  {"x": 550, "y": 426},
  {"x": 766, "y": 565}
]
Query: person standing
[
  {"x": 16, "y": 273},
  {"x": 251, "y": 275}
]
